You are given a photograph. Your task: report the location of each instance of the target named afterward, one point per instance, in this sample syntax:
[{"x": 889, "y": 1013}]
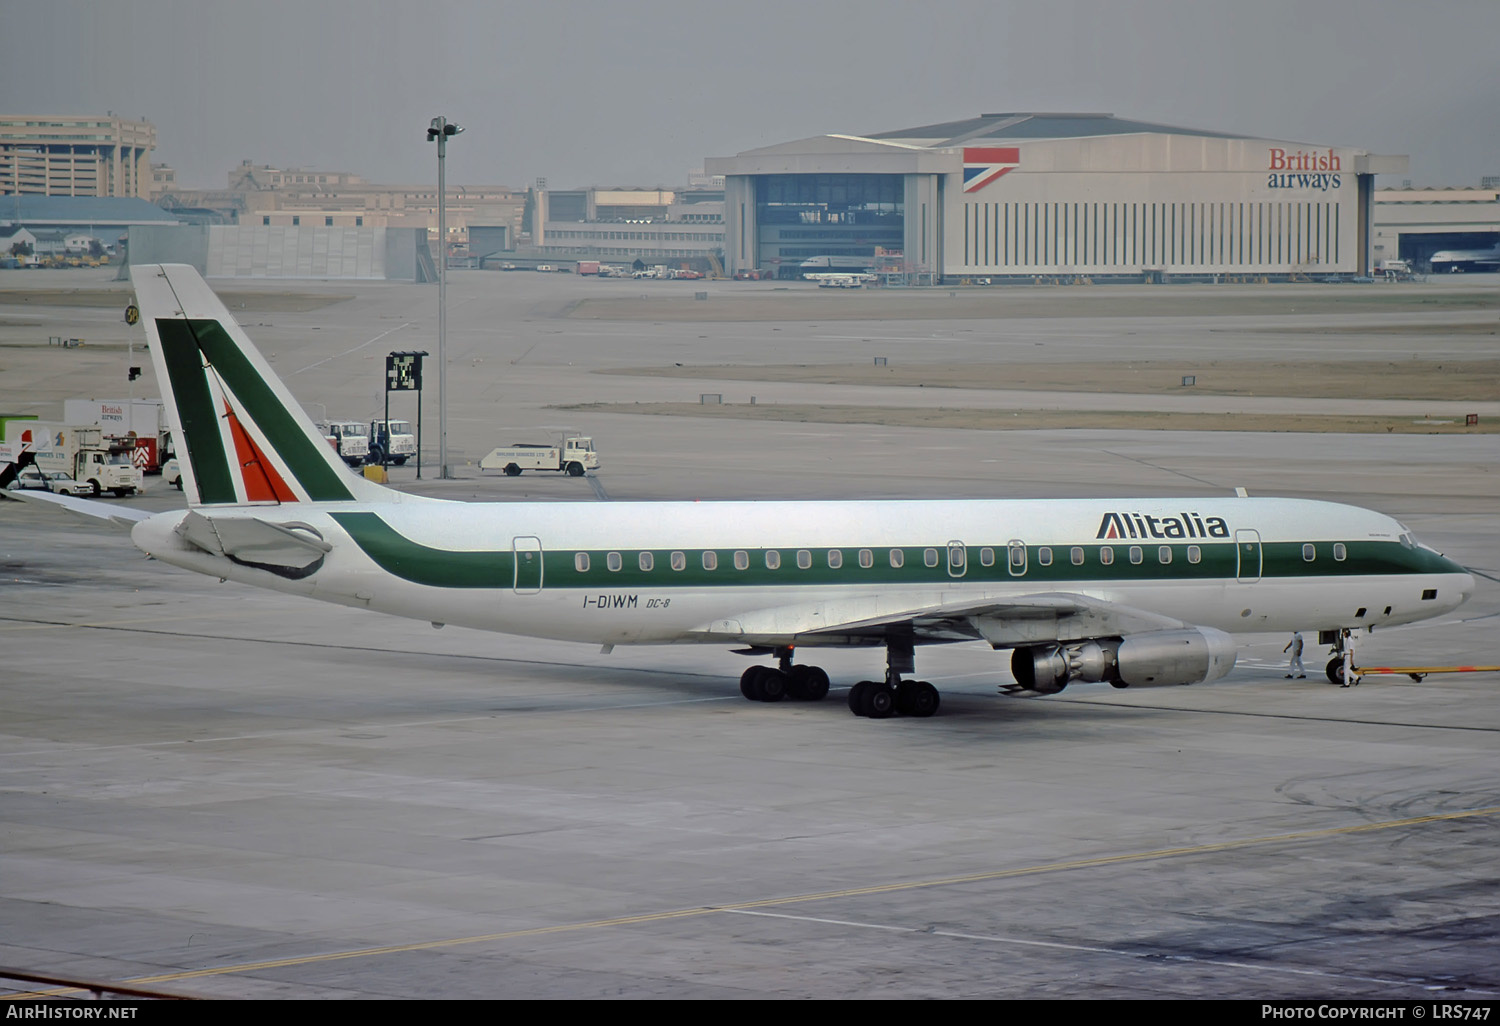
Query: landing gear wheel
[
  {"x": 763, "y": 684},
  {"x": 917, "y": 698},
  {"x": 1335, "y": 670},
  {"x": 879, "y": 701},
  {"x": 857, "y": 697},
  {"x": 809, "y": 683}
]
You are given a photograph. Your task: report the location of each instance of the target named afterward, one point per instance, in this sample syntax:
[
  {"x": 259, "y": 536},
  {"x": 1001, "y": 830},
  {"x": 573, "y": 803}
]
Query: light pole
[{"x": 438, "y": 131}]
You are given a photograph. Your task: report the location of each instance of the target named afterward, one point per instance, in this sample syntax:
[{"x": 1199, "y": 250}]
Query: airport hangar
[{"x": 1022, "y": 195}]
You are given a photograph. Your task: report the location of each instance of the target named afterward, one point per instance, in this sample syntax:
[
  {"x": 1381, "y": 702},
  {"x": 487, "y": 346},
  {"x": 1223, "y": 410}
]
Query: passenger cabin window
[
  {"x": 1135, "y": 554},
  {"x": 898, "y": 558},
  {"x": 986, "y": 557},
  {"x": 710, "y": 560},
  {"x": 646, "y": 561},
  {"x": 1044, "y": 556},
  {"x": 1309, "y": 552},
  {"x": 773, "y": 559},
  {"x": 1106, "y": 554},
  {"x": 866, "y": 558},
  {"x": 581, "y": 562},
  {"x": 835, "y": 558},
  {"x": 741, "y": 559},
  {"x": 1076, "y": 555},
  {"x": 1195, "y": 554},
  {"x": 804, "y": 559},
  {"x": 613, "y": 561},
  {"x": 1164, "y": 554},
  {"x": 930, "y": 557},
  {"x": 679, "y": 561},
  {"x": 957, "y": 557},
  {"x": 1339, "y": 552}
]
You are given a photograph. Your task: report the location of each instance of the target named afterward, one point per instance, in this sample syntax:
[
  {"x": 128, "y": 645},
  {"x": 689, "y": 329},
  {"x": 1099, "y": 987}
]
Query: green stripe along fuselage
[{"x": 495, "y": 568}]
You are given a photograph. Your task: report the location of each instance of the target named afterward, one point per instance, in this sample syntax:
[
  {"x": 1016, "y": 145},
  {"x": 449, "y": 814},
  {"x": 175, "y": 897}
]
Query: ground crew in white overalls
[{"x": 1295, "y": 647}]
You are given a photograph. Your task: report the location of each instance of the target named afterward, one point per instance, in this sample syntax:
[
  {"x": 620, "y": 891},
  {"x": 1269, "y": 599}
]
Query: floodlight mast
[{"x": 438, "y": 131}]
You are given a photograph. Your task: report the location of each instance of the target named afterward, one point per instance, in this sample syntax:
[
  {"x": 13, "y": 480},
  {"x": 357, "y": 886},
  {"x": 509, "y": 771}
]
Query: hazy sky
[{"x": 638, "y": 92}]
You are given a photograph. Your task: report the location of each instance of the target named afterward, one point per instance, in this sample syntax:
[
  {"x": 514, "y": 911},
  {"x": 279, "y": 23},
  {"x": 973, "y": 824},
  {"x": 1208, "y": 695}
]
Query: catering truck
[
  {"x": 574, "y": 455},
  {"x": 102, "y": 463},
  {"x": 143, "y": 420}
]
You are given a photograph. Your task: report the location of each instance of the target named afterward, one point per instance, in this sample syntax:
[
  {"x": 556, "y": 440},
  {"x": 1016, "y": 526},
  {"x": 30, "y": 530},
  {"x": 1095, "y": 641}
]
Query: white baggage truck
[
  {"x": 103, "y": 464},
  {"x": 348, "y": 439},
  {"x": 392, "y": 440},
  {"x": 573, "y": 456}
]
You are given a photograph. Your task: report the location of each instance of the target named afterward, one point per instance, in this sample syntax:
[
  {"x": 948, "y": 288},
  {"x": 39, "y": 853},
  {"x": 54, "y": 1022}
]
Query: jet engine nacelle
[{"x": 1154, "y": 659}]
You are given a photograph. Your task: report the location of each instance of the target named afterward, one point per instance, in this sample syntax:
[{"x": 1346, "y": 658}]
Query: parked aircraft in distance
[
  {"x": 1131, "y": 592},
  {"x": 1453, "y": 260}
]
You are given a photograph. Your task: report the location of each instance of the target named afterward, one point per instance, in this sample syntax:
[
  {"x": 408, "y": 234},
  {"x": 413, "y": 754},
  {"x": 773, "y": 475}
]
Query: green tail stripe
[
  {"x": 312, "y": 469},
  {"x": 438, "y": 568},
  {"x": 195, "y": 408}
]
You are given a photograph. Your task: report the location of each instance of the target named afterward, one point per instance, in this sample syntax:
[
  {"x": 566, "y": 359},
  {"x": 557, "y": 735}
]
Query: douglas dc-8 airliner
[{"x": 1132, "y": 592}]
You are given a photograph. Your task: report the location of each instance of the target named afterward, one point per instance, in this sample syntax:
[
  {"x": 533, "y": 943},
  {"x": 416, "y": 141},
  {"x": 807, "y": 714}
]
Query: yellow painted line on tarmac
[{"x": 850, "y": 892}]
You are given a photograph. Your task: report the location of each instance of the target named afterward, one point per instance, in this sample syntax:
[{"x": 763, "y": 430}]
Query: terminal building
[{"x": 1029, "y": 195}]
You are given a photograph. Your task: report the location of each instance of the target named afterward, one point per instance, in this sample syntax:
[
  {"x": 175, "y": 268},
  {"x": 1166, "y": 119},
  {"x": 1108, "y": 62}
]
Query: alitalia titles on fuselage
[{"x": 1143, "y": 525}]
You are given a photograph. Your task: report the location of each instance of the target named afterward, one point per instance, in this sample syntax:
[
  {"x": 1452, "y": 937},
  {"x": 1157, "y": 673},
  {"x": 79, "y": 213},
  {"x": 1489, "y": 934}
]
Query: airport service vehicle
[
  {"x": 143, "y": 419},
  {"x": 753, "y": 274},
  {"x": 588, "y": 267},
  {"x": 54, "y": 481},
  {"x": 348, "y": 439},
  {"x": 83, "y": 451},
  {"x": 171, "y": 473},
  {"x": 574, "y": 456},
  {"x": 1132, "y": 592},
  {"x": 392, "y": 440}
]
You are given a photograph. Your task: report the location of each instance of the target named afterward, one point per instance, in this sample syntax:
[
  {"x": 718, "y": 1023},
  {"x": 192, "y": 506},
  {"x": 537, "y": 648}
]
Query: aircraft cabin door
[
  {"x": 528, "y": 559},
  {"x": 1248, "y": 556}
]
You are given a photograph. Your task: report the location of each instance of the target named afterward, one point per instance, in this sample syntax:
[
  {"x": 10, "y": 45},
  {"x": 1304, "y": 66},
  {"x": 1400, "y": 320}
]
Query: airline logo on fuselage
[{"x": 1141, "y": 525}]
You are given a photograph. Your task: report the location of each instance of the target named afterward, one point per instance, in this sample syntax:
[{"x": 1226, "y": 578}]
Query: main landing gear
[
  {"x": 773, "y": 683},
  {"x": 875, "y": 699},
  {"x": 893, "y": 696}
]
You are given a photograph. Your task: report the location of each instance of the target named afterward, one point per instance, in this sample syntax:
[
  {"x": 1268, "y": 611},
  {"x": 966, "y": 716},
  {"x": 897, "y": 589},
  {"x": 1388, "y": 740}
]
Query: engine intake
[{"x": 1155, "y": 659}]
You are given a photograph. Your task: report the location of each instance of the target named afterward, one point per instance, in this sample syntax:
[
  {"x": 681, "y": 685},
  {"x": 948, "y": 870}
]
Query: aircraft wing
[
  {"x": 1004, "y": 622},
  {"x": 120, "y": 516}
]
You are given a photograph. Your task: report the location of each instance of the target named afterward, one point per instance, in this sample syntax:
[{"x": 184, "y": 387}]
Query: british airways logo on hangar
[{"x": 982, "y": 165}]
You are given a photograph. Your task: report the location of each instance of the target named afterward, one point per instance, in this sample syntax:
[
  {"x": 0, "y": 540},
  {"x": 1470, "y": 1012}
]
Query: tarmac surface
[{"x": 229, "y": 793}]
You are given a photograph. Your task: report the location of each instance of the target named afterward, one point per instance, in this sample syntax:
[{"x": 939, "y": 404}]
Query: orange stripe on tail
[{"x": 262, "y": 483}]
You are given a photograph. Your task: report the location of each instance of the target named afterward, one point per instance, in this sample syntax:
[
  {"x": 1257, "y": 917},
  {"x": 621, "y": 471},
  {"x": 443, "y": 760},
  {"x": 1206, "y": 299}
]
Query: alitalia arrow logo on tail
[
  {"x": 1140, "y": 525},
  {"x": 982, "y": 165}
]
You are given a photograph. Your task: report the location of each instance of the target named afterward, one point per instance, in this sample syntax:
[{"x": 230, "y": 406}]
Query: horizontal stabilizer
[
  {"x": 255, "y": 542},
  {"x": 120, "y": 516}
]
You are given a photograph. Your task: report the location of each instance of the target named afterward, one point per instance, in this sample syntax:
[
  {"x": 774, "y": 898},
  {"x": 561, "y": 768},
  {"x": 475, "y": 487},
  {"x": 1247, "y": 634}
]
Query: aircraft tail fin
[{"x": 241, "y": 437}]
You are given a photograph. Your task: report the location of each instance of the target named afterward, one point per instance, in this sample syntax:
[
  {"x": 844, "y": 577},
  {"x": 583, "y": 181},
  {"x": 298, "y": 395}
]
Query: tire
[
  {"x": 399, "y": 461},
  {"x": 97, "y": 491},
  {"x": 575, "y": 469},
  {"x": 809, "y": 683},
  {"x": 1335, "y": 670},
  {"x": 772, "y": 684},
  {"x": 511, "y": 470},
  {"x": 857, "y": 696},
  {"x": 750, "y": 684},
  {"x": 377, "y": 455},
  {"x": 878, "y": 701}
]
